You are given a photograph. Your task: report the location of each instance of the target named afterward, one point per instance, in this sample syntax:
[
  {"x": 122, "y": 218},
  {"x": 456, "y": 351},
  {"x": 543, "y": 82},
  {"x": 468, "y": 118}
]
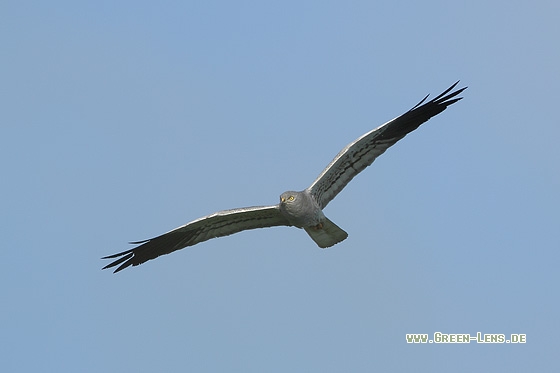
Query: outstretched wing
[
  {"x": 362, "y": 152},
  {"x": 220, "y": 224}
]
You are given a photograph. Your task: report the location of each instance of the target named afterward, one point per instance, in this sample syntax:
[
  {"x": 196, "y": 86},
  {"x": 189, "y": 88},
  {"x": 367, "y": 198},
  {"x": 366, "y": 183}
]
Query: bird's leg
[{"x": 318, "y": 226}]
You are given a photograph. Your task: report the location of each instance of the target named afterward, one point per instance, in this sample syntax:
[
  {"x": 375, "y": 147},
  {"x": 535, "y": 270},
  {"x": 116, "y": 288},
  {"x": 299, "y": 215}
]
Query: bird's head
[
  {"x": 292, "y": 206},
  {"x": 288, "y": 197}
]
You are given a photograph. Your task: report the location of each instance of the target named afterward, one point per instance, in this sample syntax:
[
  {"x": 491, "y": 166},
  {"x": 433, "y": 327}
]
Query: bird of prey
[{"x": 299, "y": 209}]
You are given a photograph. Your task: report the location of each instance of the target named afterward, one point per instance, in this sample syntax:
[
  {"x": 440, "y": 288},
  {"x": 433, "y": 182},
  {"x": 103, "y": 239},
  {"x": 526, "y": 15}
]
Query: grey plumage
[{"x": 300, "y": 209}]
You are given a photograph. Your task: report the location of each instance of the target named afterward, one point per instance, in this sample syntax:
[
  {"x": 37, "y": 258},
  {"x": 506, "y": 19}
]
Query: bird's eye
[{"x": 290, "y": 198}]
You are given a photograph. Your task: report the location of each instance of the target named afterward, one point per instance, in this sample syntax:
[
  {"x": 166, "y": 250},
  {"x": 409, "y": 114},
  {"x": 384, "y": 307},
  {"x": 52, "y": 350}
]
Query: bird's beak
[{"x": 282, "y": 199}]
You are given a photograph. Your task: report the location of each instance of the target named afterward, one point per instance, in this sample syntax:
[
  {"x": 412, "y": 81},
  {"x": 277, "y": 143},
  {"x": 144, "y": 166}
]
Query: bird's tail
[{"x": 326, "y": 234}]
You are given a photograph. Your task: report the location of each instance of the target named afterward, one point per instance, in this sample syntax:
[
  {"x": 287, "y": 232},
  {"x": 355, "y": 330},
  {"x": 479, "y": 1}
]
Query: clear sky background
[{"x": 122, "y": 120}]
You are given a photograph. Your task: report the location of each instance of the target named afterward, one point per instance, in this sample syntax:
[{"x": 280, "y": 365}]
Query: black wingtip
[
  {"x": 119, "y": 261},
  {"x": 421, "y": 102},
  {"x": 422, "y": 112},
  {"x": 445, "y": 97},
  {"x": 447, "y": 90},
  {"x": 442, "y": 98},
  {"x": 124, "y": 257},
  {"x": 117, "y": 254},
  {"x": 140, "y": 242}
]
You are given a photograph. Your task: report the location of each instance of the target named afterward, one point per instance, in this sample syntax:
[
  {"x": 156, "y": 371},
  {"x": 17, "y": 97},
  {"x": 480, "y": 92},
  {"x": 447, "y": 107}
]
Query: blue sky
[{"x": 122, "y": 120}]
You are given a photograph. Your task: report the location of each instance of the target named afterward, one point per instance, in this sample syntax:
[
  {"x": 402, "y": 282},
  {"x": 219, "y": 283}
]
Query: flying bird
[{"x": 299, "y": 209}]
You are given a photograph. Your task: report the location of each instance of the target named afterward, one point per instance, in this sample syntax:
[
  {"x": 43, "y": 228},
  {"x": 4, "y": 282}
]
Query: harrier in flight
[{"x": 299, "y": 209}]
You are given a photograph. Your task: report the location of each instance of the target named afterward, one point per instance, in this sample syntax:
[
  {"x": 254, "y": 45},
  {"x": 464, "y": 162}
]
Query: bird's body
[{"x": 300, "y": 209}]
